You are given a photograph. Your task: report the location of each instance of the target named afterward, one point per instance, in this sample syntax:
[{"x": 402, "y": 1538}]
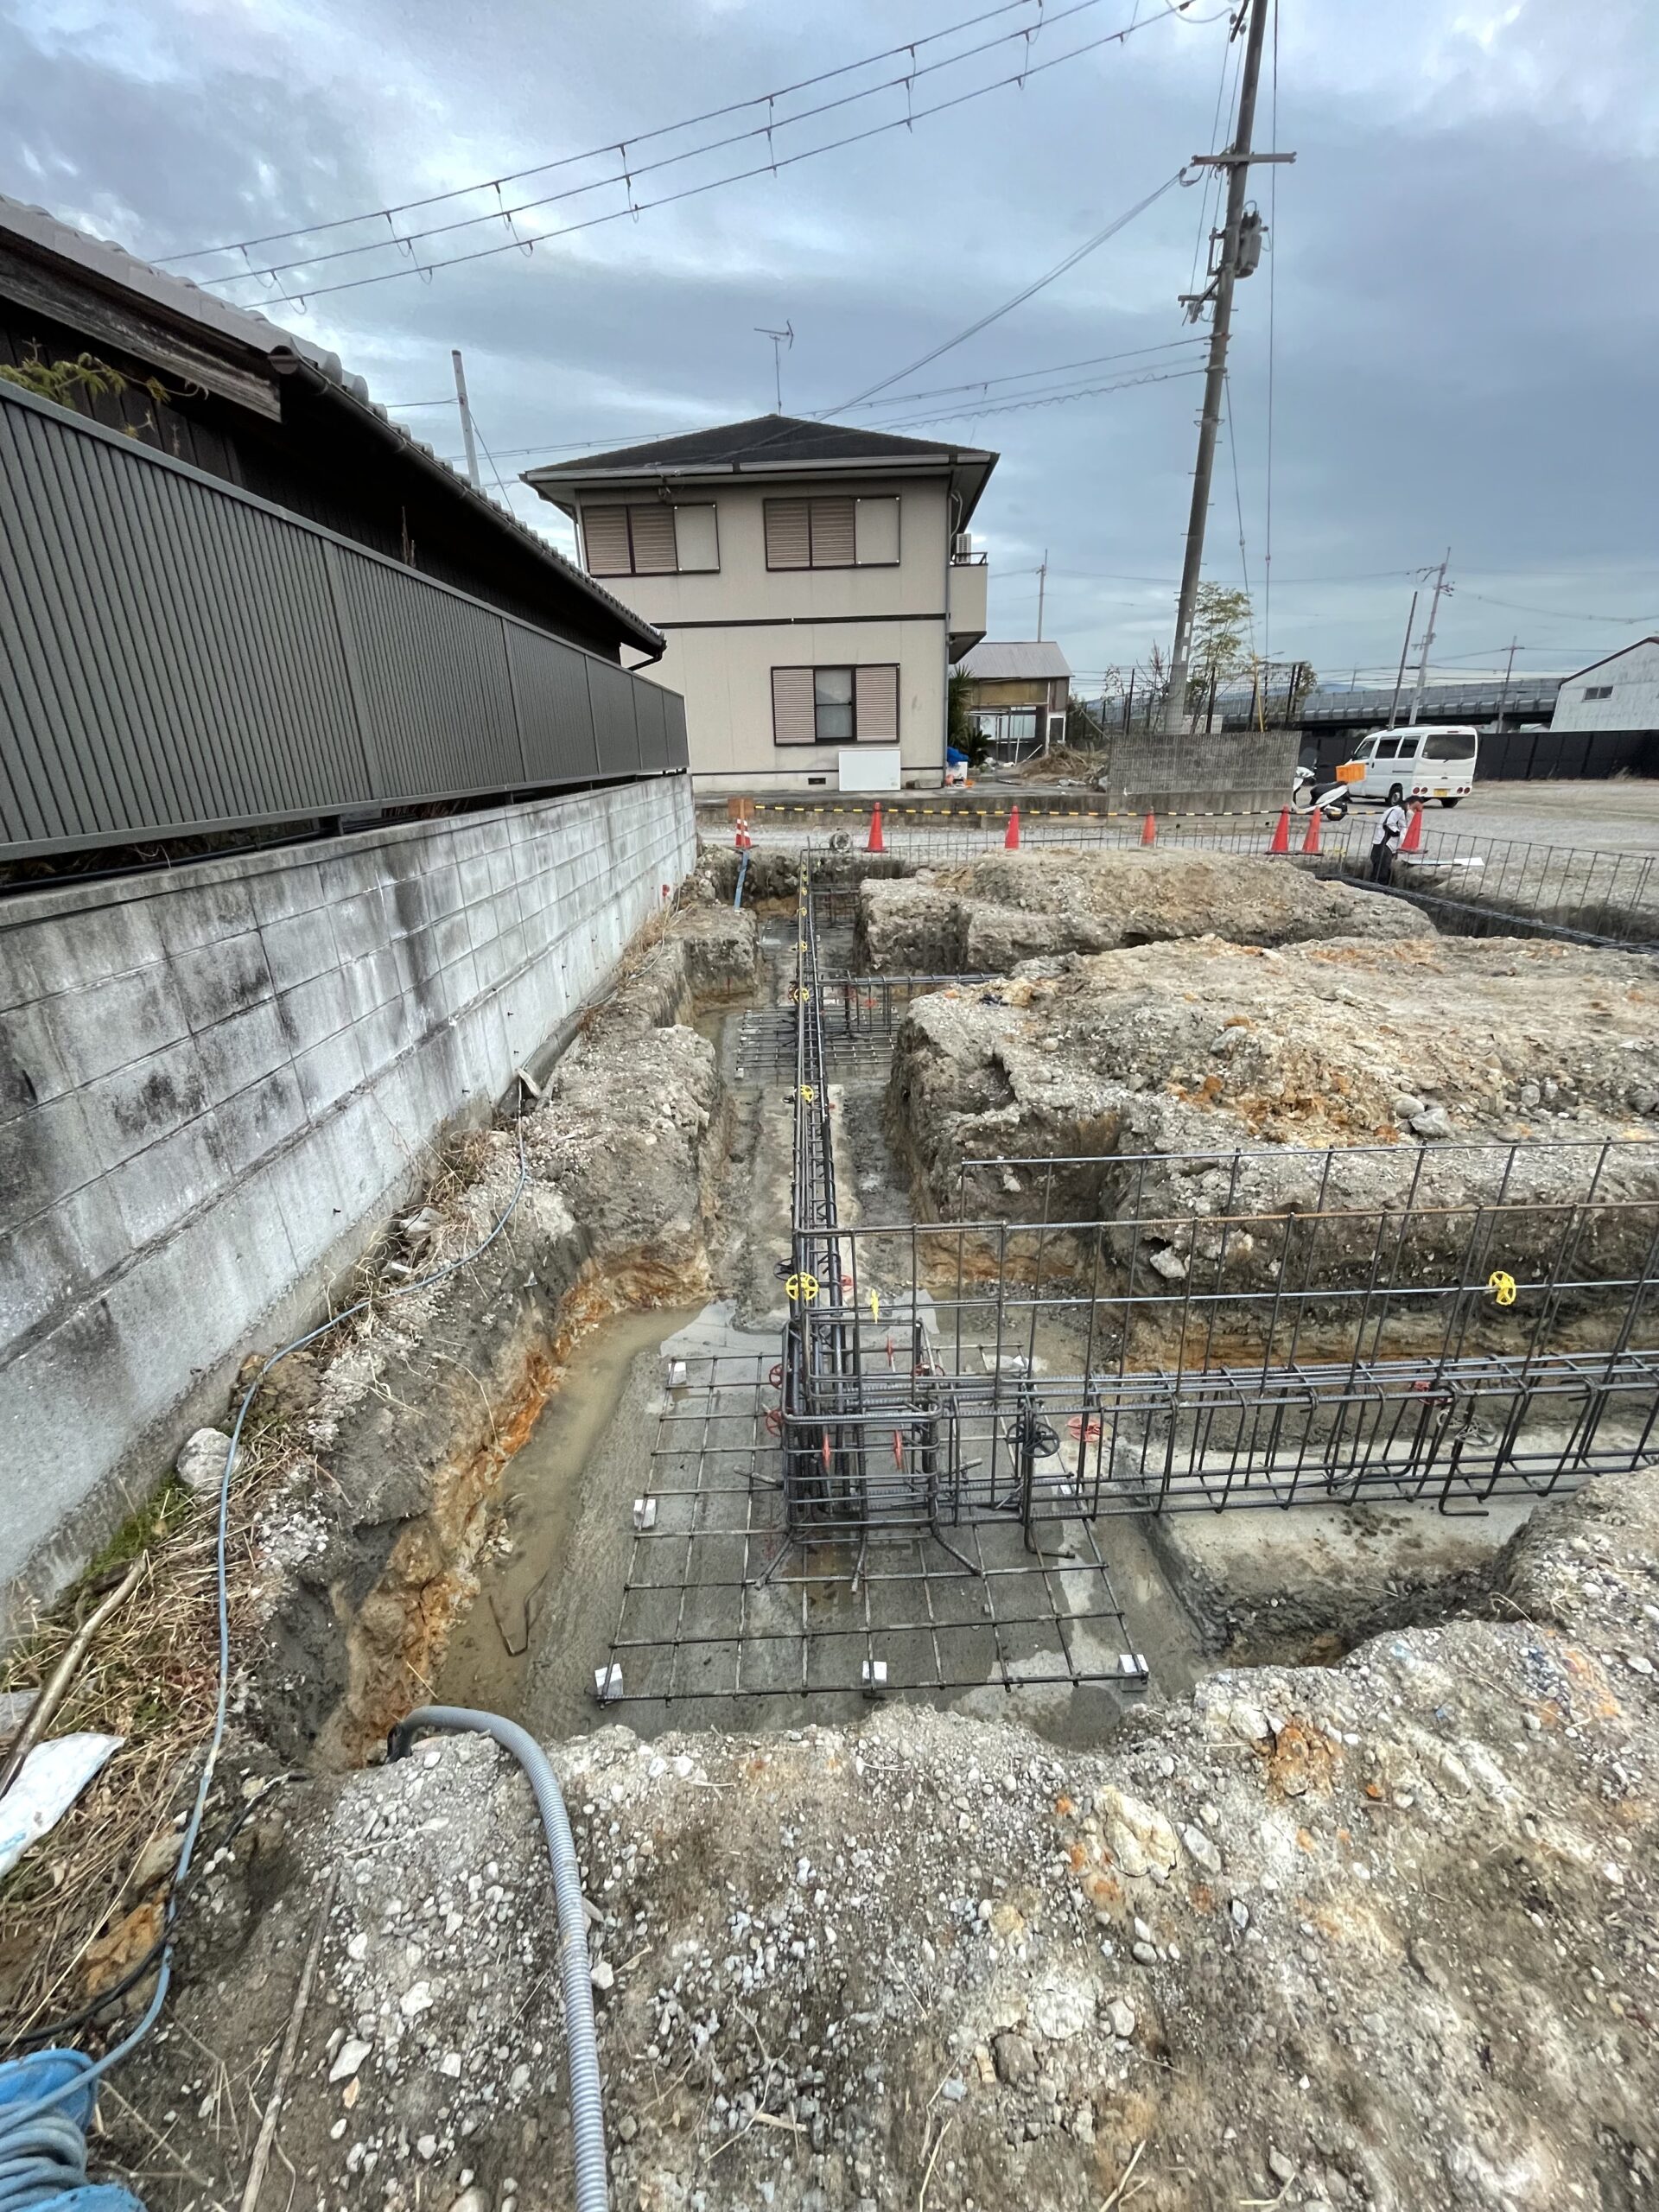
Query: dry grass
[{"x": 73, "y": 1916}]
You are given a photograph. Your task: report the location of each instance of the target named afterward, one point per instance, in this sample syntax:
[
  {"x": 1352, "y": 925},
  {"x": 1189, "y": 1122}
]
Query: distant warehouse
[{"x": 1620, "y": 691}]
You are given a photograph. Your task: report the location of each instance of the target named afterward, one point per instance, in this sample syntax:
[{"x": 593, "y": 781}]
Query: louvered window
[
  {"x": 792, "y": 706},
  {"x": 649, "y": 538},
  {"x": 605, "y": 532},
  {"x": 877, "y": 705},
  {"x": 836, "y": 706},
  {"x": 825, "y": 533}
]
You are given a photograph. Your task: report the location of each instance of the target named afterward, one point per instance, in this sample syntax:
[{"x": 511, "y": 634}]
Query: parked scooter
[{"x": 1306, "y": 796}]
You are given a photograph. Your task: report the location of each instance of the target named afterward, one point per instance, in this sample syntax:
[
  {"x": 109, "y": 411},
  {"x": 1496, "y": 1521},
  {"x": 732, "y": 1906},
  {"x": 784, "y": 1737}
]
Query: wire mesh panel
[{"x": 911, "y": 1496}]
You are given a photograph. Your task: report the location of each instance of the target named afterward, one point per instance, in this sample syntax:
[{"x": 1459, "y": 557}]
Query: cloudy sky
[{"x": 1460, "y": 291}]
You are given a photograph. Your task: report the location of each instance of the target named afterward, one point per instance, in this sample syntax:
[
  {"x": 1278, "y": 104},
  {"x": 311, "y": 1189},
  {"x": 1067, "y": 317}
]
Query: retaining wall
[{"x": 215, "y": 1083}]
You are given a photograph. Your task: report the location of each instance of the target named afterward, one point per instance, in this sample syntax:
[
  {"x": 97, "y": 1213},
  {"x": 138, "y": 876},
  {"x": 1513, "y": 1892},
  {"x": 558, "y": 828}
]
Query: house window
[
  {"x": 649, "y": 538},
  {"x": 838, "y": 533},
  {"x": 836, "y": 706},
  {"x": 1598, "y": 690}
]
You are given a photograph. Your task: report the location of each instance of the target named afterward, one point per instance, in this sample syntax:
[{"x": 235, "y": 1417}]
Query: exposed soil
[
  {"x": 1383, "y": 1051},
  {"x": 408, "y": 1425},
  {"x": 987, "y": 916}
]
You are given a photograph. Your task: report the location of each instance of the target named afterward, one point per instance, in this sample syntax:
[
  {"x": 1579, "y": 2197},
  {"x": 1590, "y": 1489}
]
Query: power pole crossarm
[{"x": 1235, "y": 165}]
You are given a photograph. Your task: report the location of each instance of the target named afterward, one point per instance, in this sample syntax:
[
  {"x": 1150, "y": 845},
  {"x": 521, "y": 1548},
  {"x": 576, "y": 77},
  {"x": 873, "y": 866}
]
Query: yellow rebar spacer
[
  {"x": 1502, "y": 1286},
  {"x": 801, "y": 1289}
]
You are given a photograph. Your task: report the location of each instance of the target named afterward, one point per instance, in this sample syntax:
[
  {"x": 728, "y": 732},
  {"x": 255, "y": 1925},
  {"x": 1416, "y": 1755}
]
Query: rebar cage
[{"x": 912, "y": 1495}]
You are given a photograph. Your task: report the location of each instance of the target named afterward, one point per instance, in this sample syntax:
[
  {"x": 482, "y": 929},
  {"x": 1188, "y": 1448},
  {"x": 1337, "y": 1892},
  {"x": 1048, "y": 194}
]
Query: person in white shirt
[{"x": 1386, "y": 842}]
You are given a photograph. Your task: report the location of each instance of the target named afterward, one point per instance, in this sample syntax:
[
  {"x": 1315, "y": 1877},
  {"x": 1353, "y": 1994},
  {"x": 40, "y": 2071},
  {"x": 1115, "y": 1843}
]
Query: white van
[{"x": 1425, "y": 761}]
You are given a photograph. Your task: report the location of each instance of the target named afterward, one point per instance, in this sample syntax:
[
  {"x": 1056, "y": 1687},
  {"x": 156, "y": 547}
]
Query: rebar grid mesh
[{"x": 910, "y": 1497}]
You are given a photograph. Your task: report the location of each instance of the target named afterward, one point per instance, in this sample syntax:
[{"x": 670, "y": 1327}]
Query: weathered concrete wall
[
  {"x": 213, "y": 1084},
  {"x": 1202, "y": 773}
]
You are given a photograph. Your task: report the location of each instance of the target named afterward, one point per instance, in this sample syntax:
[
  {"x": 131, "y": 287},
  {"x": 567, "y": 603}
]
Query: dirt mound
[
  {"x": 1376, "y": 1935},
  {"x": 1208, "y": 1048},
  {"x": 985, "y": 918}
]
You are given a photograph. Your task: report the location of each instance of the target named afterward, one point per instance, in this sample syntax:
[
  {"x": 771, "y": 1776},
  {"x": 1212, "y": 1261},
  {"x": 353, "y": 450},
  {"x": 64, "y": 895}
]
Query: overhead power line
[
  {"x": 1045, "y": 399},
  {"x": 983, "y": 383},
  {"x": 1071, "y": 261},
  {"x": 629, "y": 173},
  {"x": 615, "y": 145},
  {"x": 526, "y": 243}
]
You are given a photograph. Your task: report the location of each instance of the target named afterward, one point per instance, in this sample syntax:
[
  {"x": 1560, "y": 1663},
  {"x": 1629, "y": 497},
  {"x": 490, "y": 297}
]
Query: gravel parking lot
[{"x": 1615, "y": 816}]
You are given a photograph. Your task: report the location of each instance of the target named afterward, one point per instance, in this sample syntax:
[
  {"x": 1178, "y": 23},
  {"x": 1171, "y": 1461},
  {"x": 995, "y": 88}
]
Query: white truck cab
[{"x": 1425, "y": 761}]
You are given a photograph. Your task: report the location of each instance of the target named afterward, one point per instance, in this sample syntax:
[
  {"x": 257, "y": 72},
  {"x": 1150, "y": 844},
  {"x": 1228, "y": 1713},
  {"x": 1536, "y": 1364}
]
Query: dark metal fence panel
[
  {"x": 549, "y": 683},
  {"x": 177, "y": 657},
  {"x": 614, "y": 723},
  {"x": 653, "y": 732}
]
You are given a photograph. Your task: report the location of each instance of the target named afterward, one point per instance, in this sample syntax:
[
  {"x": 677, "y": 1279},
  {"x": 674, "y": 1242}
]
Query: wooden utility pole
[
  {"x": 1253, "y": 19},
  {"x": 1404, "y": 649},
  {"x": 1504, "y": 696},
  {"x": 466, "y": 418},
  {"x": 1042, "y": 586}
]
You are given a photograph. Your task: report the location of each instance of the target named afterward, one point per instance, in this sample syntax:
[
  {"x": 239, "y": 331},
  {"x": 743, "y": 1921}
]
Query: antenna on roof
[{"x": 779, "y": 338}]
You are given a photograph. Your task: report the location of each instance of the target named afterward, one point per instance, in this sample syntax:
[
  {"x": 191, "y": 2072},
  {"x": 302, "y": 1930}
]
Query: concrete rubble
[
  {"x": 1380, "y": 1935},
  {"x": 986, "y": 916}
]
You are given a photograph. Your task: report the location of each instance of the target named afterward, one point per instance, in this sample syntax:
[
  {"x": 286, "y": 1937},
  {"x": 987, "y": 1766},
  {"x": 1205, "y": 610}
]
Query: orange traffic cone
[
  {"x": 877, "y": 843},
  {"x": 1310, "y": 838},
  {"x": 1280, "y": 842},
  {"x": 1413, "y": 840},
  {"x": 1011, "y": 841},
  {"x": 1149, "y": 829}
]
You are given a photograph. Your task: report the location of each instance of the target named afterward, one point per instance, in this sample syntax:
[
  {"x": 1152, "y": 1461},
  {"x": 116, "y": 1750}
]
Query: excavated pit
[{"x": 1376, "y": 1932}]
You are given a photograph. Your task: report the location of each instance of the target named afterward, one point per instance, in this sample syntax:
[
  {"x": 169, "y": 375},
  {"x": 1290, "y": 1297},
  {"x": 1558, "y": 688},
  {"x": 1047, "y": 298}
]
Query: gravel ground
[{"x": 1380, "y": 1935}]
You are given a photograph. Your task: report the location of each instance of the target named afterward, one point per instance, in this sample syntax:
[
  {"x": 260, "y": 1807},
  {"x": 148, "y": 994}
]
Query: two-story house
[{"x": 814, "y": 583}]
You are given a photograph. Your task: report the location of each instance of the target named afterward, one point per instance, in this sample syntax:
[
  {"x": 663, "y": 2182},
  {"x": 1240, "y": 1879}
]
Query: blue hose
[
  {"x": 587, "y": 2114},
  {"x": 43, "y": 2160},
  {"x": 742, "y": 871}
]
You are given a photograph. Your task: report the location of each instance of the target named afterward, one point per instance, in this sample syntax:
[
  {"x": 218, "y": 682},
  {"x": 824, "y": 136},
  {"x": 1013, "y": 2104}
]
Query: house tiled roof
[
  {"x": 111, "y": 265},
  {"x": 1013, "y": 660},
  {"x": 764, "y": 440}
]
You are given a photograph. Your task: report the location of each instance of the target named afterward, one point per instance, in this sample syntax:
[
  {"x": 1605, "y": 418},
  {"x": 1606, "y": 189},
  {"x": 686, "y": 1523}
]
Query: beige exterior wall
[{"x": 728, "y": 629}]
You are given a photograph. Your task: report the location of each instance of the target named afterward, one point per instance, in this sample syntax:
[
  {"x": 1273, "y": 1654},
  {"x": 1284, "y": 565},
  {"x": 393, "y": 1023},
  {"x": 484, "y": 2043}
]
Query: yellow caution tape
[
  {"x": 1502, "y": 1286},
  {"x": 875, "y": 1308}
]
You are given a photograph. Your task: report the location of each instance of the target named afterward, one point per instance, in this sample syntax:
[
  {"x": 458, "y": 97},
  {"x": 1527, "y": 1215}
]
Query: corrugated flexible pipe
[{"x": 587, "y": 2115}]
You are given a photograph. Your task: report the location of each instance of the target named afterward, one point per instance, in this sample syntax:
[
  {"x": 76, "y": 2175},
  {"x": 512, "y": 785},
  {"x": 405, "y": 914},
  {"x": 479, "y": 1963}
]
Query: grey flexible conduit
[{"x": 587, "y": 2115}]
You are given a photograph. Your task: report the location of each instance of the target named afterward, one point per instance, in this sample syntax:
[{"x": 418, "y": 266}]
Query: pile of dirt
[
  {"x": 1379, "y": 1937},
  {"x": 985, "y": 916},
  {"x": 401, "y": 1432},
  {"x": 1384, "y": 1050}
]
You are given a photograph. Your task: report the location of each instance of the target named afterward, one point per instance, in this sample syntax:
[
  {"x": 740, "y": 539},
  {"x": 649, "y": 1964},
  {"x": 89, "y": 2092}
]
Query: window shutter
[
  {"x": 695, "y": 539},
  {"x": 834, "y": 531},
  {"x": 605, "y": 534},
  {"x": 653, "y": 540},
  {"x": 789, "y": 544},
  {"x": 792, "y": 720},
  {"x": 876, "y": 694},
  {"x": 877, "y": 533}
]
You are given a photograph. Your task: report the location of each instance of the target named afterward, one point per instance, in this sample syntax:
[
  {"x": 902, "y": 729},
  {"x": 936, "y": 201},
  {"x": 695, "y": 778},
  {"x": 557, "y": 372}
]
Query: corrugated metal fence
[{"x": 177, "y": 657}]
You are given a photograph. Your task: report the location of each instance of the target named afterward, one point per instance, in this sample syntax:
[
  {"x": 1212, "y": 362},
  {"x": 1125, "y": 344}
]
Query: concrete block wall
[
  {"x": 215, "y": 1082},
  {"x": 1202, "y": 772}
]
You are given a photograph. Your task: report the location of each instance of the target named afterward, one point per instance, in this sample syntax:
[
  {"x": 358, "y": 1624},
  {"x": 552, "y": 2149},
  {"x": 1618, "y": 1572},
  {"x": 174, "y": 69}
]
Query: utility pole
[
  {"x": 1428, "y": 639},
  {"x": 466, "y": 418},
  {"x": 1404, "y": 649},
  {"x": 1504, "y": 696},
  {"x": 1230, "y": 266},
  {"x": 1042, "y": 586}
]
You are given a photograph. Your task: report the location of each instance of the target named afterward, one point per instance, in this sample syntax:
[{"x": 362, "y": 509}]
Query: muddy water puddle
[{"x": 600, "y": 1418}]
